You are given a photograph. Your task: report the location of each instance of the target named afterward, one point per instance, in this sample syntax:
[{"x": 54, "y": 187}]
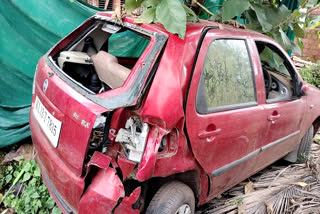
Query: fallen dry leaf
[
  {"x": 8, "y": 211},
  {"x": 242, "y": 208},
  {"x": 248, "y": 187},
  {"x": 24, "y": 152},
  {"x": 235, "y": 24},
  {"x": 302, "y": 184},
  {"x": 293, "y": 202},
  {"x": 119, "y": 13},
  {"x": 219, "y": 196},
  {"x": 137, "y": 12},
  {"x": 269, "y": 208}
]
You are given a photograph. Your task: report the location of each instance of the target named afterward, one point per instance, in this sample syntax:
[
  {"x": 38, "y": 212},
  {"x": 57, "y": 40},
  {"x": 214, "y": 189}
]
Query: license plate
[{"x": 50, "y": 125}]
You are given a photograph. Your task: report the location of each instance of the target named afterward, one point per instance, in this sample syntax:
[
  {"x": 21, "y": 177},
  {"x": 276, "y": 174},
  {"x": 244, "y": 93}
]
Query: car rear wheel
[{"x": 172, "y": 198}]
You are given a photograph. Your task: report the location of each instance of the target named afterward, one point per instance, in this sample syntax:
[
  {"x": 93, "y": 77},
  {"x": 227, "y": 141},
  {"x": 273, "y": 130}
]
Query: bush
[
  {"x": 29, "y": 195},
  {"x": 311, "y": 74}
]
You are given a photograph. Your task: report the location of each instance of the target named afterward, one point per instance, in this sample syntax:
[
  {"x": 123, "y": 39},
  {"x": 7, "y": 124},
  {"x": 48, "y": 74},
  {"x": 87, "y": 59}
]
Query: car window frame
[
  {"x": 292, "y": 71},
  {"x": 232, "y": 106}
]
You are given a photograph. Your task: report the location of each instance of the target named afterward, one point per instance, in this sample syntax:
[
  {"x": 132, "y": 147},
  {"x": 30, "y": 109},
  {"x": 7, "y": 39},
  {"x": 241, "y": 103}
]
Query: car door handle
[
  {"x": 206, "y": 134},
  {"x": 274, "y": 117}
]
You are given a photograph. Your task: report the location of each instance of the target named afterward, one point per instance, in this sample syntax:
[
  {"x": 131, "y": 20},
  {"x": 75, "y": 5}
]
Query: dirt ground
[{"x": 278, "y": 189}]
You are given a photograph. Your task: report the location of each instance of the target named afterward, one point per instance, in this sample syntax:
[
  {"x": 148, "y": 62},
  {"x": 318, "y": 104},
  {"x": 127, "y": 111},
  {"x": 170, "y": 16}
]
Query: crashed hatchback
[{"x": 129, "y": 118}]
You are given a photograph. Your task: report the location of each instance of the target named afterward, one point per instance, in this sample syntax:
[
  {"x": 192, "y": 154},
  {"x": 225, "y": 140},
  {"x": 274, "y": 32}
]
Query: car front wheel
[
  {"x": 172, "y": 198},
  {"x": 305, "y": 146}
]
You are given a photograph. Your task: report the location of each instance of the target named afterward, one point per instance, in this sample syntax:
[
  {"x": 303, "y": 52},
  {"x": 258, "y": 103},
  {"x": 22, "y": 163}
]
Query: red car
[{"x": 129, "y": 118}]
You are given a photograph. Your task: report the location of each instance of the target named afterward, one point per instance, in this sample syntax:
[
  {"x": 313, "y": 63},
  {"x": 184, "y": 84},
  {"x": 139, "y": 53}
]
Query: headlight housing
[{"x": 133, "y": 138}]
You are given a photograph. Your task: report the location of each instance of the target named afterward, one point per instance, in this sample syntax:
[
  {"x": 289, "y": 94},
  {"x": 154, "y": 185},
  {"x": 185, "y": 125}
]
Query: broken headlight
[{"x": 133, "y": 138}]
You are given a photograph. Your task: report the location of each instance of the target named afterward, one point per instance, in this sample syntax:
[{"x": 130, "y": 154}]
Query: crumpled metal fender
[
  {"x": 105, "y": 189},
  {"x": 146, "y": 167},
  {"x": 126, "y": 166},
  {"x": 126, "y": 204}
]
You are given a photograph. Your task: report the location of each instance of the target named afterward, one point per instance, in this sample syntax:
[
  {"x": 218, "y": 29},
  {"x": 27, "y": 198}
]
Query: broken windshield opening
[
  {"x": 139, "y": 65},
  {"x": 104, "y": 57}
]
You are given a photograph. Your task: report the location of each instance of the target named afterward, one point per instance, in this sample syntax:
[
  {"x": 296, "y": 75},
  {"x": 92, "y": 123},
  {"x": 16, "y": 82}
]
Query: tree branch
[
  {"x": 289, "y": 17},
  {"x": 214, "y": 6},
  {"x": 203, "y": 7}
]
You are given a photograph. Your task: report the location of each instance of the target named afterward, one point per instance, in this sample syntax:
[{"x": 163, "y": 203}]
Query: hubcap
[{"x": 184, "y": 209}]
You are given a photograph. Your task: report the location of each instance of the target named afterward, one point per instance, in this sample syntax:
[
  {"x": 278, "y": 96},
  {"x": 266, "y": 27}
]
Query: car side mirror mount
[{"x": 303, "y": 89}]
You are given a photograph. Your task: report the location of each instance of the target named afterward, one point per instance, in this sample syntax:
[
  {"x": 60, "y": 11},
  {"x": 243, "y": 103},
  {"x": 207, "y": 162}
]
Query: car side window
[
  {"x": 274, "y": 61},
  {"x": 278, "y": 80},
  {"x": 227, "y": 80}
]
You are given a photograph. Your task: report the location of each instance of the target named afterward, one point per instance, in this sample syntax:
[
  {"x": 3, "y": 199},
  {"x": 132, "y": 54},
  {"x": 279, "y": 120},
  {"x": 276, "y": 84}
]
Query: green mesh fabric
[{"x": 28, "y": 30}]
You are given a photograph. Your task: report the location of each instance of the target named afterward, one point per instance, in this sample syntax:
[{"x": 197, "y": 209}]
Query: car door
[
  {"x": 284, "y": 109},
  {"x": 224, "y": 120}
]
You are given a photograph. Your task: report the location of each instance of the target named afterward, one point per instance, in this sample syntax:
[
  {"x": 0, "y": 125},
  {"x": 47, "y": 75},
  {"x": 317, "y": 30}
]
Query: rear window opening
[{"x": 103, "y": 57}]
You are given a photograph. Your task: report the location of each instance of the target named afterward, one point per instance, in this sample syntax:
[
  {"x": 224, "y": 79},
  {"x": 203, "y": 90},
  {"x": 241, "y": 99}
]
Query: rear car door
[
  {"x": 224, "y": 120},
  {"x": 284, "y": 109}
]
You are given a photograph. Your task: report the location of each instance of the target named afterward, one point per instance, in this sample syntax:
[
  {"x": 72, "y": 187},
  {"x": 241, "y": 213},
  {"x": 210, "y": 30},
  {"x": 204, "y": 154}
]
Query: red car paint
[{"x": 168, "y": 107}]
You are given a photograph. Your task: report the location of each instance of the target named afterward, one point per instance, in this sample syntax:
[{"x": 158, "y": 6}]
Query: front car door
[
  {"x": 284, "y": 109},
  {"x": 224, "y": 118}
]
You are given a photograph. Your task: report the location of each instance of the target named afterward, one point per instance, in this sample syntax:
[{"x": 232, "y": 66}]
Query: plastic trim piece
[{"x": 251, "y": 155}]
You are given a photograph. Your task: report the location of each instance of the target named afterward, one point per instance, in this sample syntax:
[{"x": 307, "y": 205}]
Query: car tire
[
  {"x": 305, "y": 146},
  {"x": 172, "y": 197}
]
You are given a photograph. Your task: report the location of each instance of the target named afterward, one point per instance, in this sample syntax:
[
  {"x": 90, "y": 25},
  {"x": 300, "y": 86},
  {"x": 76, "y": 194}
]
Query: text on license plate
[{"x": 48, "y": 123}]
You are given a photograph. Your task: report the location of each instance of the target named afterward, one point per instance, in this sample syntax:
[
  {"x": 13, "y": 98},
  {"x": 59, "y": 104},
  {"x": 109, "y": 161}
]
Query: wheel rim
[{"x": 184, "y": 209}]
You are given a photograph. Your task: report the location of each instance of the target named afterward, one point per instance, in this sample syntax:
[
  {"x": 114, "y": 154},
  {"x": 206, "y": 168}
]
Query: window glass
[
  {"x": 273, "y": 61},
  {"x": 277, "y": 78},
  {"x": 227, "y": 77}
]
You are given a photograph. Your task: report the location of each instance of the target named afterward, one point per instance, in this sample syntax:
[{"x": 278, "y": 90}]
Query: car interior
[
  {"x": 103, "y": 57},
  {"x": 277, "y": 78}
]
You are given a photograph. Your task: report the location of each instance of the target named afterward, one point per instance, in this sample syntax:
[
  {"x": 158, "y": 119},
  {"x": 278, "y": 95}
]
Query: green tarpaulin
[{"x": 28, "y": 29}]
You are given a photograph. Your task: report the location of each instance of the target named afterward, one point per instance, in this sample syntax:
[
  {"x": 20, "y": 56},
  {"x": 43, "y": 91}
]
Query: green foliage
[
  {"x": 271, "y": 18},
  {"x": 232, "y": 8},
  {"x": 299, "y": 32},
  {"x": 34, "y": 197},
  {"x": 237, "y": 201},
  {"x": 315, "y": 22},
  {"x": 191, "y": 16},
  {"x": 303, "y": 157},
  {"x": 150, "y": 3},
  {"x": 148, "y": 16},
  {"x": 172, "y": 15},
  {"x": 311, "y": 74},
  {"x": 131, "y": 5}
]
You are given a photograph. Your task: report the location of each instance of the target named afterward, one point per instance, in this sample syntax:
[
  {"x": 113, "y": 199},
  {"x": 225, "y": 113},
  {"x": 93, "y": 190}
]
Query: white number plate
[{"x": 48, "y": 123}]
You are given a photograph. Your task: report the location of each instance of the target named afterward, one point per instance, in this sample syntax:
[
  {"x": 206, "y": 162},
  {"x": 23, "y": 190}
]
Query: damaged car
[{"x": 128, "y": 118}]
